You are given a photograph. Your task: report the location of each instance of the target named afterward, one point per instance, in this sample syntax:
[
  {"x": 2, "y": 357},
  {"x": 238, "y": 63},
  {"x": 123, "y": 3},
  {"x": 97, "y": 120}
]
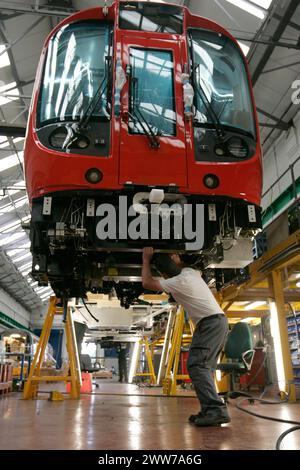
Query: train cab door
[{"x": 152, "y": 134}]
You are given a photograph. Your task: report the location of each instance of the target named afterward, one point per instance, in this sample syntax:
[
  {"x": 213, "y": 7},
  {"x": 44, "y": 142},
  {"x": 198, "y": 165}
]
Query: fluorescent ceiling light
[
  {"x": 32, "y": 284},
  {"x": 254, "y": 305},
  {"x": 26, "y": 272},
  {"x": 45, "y": 296},
  {"x": 262, "y": 3},
  {"x": 275, "y": 332},
  {"x": 11, "y": 238},
  {"x": 3, "y": 142},
  {"x": 39, "y": 290},
  {"x": 21, "y": 202},
  {"x": 4, "y": 59},
  {"x": 10, "y": 226},
  {"x": 24, "y": 267},
  {"x": 16, "y": 204},
  {"x": 20, "y": 258},
  {"x": 12, "y": 253},
  {"x": 11, "y": 90},
  {"x": 248, "y": 7},
  {"x": 244, "y": 47}
]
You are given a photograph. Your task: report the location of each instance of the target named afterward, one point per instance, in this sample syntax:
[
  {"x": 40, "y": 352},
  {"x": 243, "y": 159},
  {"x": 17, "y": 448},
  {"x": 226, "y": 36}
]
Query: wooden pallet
[{"x": 6, "y": 378}]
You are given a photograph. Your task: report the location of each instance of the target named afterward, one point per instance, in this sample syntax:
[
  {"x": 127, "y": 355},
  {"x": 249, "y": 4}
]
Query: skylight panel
[
  {"x": 22, "y": 257},
  {"x": 11, "y": 238},
  {"x": 11, "y": 90},
  {"x": 11, "y": 207},
  {"x": 4, "y": 59},
  {"x": 3, "y": 142},
  {"x": 244, "y": 47},
  {"x": 24, "y": 266},
  {"x": 11, "y": 160},
  {"x": 249, "y": 8},
  {"x": 10, "y": 226},
  {"x": 262, "y": 3},
  {"x": 46, "y": 295}
]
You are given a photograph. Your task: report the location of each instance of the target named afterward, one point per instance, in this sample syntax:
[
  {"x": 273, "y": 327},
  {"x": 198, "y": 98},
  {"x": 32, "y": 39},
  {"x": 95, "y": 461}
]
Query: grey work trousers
[{"x": 208, "y": 340}]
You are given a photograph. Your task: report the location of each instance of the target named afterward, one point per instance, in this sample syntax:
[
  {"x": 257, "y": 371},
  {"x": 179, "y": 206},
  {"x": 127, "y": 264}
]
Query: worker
[
  {"x": 211, "y": 328},
  {"x": 122, "y": 359}
]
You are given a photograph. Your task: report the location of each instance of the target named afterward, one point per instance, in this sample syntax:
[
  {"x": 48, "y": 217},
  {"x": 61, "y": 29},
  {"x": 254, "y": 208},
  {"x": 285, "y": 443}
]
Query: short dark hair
[{"x": 165, "y": 265}]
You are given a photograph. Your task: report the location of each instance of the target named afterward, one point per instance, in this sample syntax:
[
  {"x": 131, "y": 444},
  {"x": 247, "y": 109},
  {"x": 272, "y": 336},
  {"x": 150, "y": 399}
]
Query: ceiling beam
[
  {"x": 13, "y": 68},
  {"x": 281, "y": 127},
  {"x": 9, "y": 16},
  {"x": 12, "y": 131},
  {"x": 18, "y": 7},
  {"x": 280, "y": 67},
  {"x": 291, "y": 23},
  {"x": 282, "y": 117},
  {"x": 274, "y": 118},
  {"x": 287, "y": 45},
  {"x": 19, "y": 38},
  {"x": 286, "y": 18}
]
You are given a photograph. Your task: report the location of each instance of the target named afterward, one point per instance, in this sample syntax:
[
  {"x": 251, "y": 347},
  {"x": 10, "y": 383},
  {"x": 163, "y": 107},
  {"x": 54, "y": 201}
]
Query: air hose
[{"x": 252, "y": 399}]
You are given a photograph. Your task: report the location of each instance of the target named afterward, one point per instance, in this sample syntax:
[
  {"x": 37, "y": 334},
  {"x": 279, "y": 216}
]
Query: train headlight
[
  {"x": 82, "y": 142},
  {"x": 238, "y": 148},
  {"x": 211, "y": 181},
  {"x": 57, "y": 138},
  {"x": 219, "y": 151},
  {"x": 93, "y": 175}
]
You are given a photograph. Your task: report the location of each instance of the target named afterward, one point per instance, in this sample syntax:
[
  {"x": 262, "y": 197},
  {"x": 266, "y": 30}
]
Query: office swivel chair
[
  {"x": 86, "y": 366},
  {"x": 239, "y": 354}
]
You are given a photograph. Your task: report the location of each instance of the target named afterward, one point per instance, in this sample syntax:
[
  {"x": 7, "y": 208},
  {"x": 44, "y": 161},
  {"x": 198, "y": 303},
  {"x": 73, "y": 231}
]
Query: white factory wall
[
  {"x": 284, "y": 152},
  {"x": 13, "y": 309},
  {"x": 38, "y": 318}
]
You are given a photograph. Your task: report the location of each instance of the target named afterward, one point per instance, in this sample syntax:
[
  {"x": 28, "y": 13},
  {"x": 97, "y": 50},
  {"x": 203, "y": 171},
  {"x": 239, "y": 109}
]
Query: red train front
[{"x": 148, "y": 106}]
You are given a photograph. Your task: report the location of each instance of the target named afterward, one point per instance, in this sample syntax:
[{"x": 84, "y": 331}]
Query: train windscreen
[
  {"x": 222, "y": 91},
  {"x": 76, "y": 70},
  {"x": 152, "y": 92}
]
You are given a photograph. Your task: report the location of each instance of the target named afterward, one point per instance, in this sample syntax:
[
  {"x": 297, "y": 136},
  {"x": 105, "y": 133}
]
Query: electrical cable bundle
[{"x": 252, "y": 399}]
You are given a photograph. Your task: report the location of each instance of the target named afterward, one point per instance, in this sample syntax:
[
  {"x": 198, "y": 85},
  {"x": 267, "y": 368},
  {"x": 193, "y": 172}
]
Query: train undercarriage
[{"x": 92, "y": 241}]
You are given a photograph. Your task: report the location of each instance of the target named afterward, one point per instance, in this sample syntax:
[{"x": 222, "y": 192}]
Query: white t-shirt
[{"x": 190, "y": 291}]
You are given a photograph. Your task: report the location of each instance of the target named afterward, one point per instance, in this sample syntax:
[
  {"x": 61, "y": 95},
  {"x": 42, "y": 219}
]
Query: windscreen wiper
[
  {"x": 153, "y": 139},
  {"x": 210, "y": 110},
  {"x": 75, "y": 127},
  {"x": 203, "y": 97},
  {"x": 137, "y": 114},
  {"x": 85, "y": 118}
]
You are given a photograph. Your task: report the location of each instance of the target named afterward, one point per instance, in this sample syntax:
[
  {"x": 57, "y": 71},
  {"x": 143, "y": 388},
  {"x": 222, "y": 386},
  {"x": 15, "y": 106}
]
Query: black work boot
[
  {"x": 213, "y": 418},
  {"x": 192, "y": 418}
]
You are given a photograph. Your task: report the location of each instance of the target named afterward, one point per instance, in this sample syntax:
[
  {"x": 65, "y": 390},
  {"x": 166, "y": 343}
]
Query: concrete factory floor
[{"x": 120, "y": 416}]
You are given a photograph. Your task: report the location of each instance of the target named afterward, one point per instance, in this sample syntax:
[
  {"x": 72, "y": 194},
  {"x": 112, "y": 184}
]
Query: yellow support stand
[
  {"x": 171, "y": 377},
  {"x": 35, "y": 377},
  {"x": 151, "y": 374}
]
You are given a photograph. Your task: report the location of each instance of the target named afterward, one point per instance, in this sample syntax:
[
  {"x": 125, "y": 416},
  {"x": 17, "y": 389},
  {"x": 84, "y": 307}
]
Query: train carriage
[{"x": 142, "y": 131}]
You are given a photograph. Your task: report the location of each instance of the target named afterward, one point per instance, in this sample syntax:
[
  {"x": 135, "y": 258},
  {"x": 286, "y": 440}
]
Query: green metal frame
[
  {"x": 7, "y": 321},
  {"x": 282, "y": 201}
]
